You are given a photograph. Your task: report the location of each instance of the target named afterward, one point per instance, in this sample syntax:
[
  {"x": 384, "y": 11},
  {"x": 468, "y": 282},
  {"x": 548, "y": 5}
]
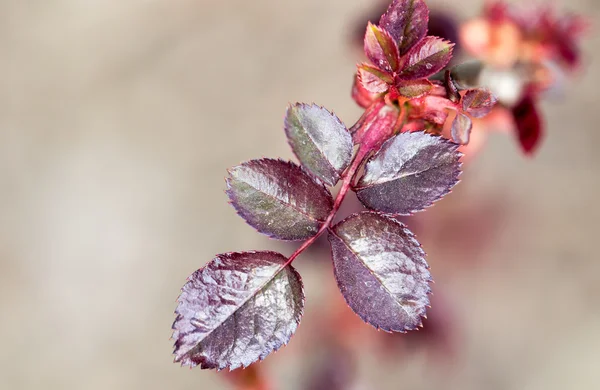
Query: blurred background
[{"x": 117, "y": 122}]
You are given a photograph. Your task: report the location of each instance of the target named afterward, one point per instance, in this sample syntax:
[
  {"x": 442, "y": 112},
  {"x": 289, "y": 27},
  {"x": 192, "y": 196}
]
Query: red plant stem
[
  {"x": 346, "y": 182},
  {"x": 374, "y": 127}
]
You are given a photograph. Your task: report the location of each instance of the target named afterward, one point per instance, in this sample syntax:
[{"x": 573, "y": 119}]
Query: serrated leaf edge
[
  {"x": 319, "y": 183},
  {"x": 469, "y": 109},
  {"x": 320, "y": 180},
  {"x": 395, "y": 55},
  {"x": 385, "y": 77},
  {"x": 403, "y": 50},
  {"x": 405, "y": 65},
  {"x": 457, "y": 179},
  {"x": 392, "y": 218},
  {"x": 261, "y": 358}
]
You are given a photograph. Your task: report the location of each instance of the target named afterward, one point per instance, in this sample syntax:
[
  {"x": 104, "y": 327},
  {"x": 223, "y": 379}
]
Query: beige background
[{"x": 117, "y": 121}]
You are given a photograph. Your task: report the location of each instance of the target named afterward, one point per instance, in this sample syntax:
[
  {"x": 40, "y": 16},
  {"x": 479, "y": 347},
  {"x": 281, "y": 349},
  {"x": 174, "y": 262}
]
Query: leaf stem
[
  {"x": 347, "y": 177},
  {"x": 375, "y": 126}
]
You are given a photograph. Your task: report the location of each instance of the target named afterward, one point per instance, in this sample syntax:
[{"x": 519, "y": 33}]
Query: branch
[{"x": 346, "y": 183}]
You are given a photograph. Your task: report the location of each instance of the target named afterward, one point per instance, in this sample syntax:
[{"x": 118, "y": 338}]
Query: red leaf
[
  {"x": 478, "y": 102},
  {"x": 426, "y": 58},
  {"x": 414, "y": 88},
  {"x": 381, "y": 48},
  {"x": 564, "y": 33},
  {"x": 375, "y": 126},
  {"x": 432, "y": 108},
  {"x": 528, "y": 123},
  {"x": 361, "y": 95},
  {"x": 373, "y": 79},
  {"x": 406, "y": 21},
  {"x": 436, "y": 117}
]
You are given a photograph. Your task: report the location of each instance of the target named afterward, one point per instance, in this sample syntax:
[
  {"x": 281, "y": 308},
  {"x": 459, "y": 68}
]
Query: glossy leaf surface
[
  {"x": 381, "y": 271},
  {"x": 320, "y": 141},
  {"x": 461, "y": 129},
  {"x": 278, "y": 198},
  {"x": 406, "y": 21},
  {"x": 373, "y": 79},
  {"x": 409, "y": 173},
  {"x": 381, "y": 48},
  {"x": 478, "y": 102},
  {"x": 426, "y": 58},
  {"x": 236, "y": 310}
]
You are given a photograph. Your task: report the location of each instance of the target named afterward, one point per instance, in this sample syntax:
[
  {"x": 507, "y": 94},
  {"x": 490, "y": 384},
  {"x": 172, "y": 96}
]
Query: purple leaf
[
  {"x": 409, "y": 173},
  {"x": 414, "y": 88},
  {"x": 426, "y": 58},
  {"x": 406, "y": 21},
  {"x": 381, "y": 48},
  {"x": 529, "y": 124},
  {"x": 320, "y": 141},
  {"x": 461, "y": 128},
  {"x": 236, "y": 310},
  {"x": 381, "y": 271},
  {"x": 373, "y": 79},
  {"x": 278, "y": 198},
  {"x": 478, "y": 102}
]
